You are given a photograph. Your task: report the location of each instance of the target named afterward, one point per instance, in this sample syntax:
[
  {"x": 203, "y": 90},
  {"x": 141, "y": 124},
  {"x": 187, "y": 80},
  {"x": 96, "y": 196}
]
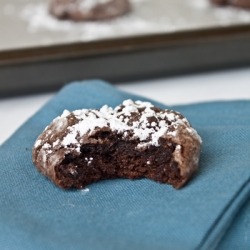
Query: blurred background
[{"x": 173, "y": 51}]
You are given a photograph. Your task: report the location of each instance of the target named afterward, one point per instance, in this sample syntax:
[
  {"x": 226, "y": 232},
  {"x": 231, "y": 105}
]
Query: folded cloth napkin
[{"x": 125, "y": 214}]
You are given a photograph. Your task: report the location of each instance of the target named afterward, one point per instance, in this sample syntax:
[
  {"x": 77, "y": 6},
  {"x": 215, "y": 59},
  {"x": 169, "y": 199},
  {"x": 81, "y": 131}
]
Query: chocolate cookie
[
  {"x": 83, "y": 10},
  {"x": 134, "y": 140},
  {"x": 237, "y": 3}
]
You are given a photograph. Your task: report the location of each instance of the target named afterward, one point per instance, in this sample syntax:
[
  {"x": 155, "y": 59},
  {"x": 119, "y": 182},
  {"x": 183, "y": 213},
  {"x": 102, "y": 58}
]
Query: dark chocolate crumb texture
[{"x": 134, "y": 140}]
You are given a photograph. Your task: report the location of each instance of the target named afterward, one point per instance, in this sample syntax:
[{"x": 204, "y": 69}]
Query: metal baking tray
[{"x": 158, "y": 38}]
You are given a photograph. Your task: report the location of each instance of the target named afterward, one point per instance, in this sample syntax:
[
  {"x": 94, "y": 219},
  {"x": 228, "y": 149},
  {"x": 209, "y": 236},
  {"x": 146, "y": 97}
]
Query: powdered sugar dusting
[
  {"x": 115, "y": 119},
  {"x": 84, "y": 191},
  {"x": 133, "y": 120},
  {"x": 87, "y": 5},
  {"x": 38, "y": 143}
]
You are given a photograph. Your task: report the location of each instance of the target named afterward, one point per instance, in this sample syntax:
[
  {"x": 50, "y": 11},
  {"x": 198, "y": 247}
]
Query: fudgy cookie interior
[{"x": 117, "y": 158}]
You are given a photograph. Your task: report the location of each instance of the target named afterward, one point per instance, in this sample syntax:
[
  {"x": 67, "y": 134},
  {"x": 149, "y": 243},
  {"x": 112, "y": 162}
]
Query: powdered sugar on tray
[
  {"x": 146, "y": 17},
  {"x": 39, "y": 19}
]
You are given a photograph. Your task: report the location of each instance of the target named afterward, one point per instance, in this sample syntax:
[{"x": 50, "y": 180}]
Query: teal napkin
[{"x": 125, "y": 214}]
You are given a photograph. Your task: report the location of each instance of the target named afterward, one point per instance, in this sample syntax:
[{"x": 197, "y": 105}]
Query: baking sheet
[
  {"x": 39, "y": 53},
  {"x": 25, "y": 23}
]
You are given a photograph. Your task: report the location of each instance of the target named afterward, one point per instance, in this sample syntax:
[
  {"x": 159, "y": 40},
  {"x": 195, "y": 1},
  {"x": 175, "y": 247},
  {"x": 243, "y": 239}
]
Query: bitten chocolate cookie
[
  {"x": 83, "y": 10},
  {"x": 134, "y": 140},
  {"x": 237, "y": 3}
]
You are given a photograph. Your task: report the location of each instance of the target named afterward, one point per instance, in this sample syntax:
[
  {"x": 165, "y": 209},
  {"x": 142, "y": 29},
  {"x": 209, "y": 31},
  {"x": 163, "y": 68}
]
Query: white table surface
[{"x": 223, "y": 85}]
